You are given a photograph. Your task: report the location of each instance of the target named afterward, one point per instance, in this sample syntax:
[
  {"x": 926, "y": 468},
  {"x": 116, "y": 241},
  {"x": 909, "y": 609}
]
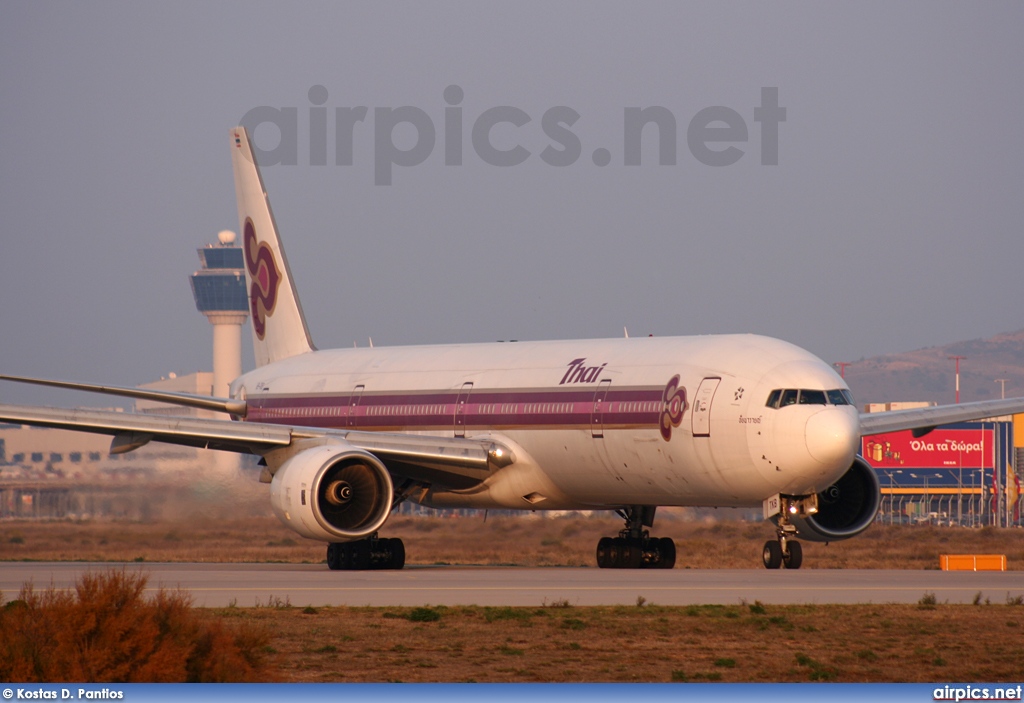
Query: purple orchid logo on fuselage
[
  {"x": 674, "y": 405},
  {"x": 265, "y": 277}
]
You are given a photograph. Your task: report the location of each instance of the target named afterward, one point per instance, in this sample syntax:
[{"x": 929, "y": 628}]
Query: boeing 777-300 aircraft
[{"x": 345, "y": 435}]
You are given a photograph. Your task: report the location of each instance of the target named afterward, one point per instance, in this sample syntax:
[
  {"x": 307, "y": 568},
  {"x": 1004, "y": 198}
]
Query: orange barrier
[{"x": 972, "y": 562}]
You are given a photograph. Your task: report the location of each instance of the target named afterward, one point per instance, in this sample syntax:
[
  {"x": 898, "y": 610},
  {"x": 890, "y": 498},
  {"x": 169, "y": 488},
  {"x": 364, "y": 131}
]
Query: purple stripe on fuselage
[{"x": 433, "y": 410}]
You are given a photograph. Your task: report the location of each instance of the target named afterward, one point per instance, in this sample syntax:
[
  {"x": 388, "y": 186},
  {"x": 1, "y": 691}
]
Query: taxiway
[{"x": 219, "y": 585}]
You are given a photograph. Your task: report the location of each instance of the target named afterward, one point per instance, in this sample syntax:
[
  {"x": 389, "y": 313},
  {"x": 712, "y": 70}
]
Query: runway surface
[{"x": 218, "y": 585}]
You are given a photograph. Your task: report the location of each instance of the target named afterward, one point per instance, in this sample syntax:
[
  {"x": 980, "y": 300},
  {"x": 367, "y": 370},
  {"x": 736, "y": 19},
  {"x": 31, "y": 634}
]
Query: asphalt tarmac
[{"x": 219, "y": 585}]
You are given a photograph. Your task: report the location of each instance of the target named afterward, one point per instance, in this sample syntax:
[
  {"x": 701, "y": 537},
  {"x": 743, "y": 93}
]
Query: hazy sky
[{"x": 891, "y": 222}]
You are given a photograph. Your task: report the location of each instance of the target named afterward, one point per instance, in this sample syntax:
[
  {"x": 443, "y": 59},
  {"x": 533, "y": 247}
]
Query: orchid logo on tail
[
  {"x": 265, "y": 276},
  {"x": 674, "y": 404}
]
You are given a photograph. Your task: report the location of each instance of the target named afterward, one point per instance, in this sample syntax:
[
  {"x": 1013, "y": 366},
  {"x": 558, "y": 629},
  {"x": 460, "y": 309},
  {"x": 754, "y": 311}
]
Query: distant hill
[{"x": 928, "y": 374}]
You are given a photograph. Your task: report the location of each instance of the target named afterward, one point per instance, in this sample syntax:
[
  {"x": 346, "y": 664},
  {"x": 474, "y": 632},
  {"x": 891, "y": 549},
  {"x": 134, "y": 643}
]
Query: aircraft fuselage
[{"x": 593, "y": 423}]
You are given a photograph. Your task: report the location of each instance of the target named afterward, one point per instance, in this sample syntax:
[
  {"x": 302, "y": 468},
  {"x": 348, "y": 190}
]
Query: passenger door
[{"x": 701, "y": 412}]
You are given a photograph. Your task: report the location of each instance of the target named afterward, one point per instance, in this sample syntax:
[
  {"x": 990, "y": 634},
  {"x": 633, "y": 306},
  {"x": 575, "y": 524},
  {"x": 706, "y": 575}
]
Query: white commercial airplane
[{"x": 346, "y": 435}]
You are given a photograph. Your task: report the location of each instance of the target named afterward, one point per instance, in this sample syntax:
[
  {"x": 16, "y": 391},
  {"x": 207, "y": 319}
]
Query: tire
[
  {"x": 338, "y": 556},
  {"x": 334, "y": 561},
  {"x": 615, "y": 548},
  {"x": 772, "y": 554},
  {"x": 604, "y": 546},
  {"x": 397, "y": 549},
  {"x": 359, "y": 555},
  {"x": 795, "y": 557},
  {"x": 666, "y": 553},
  {"x": 632, "y": 554}
]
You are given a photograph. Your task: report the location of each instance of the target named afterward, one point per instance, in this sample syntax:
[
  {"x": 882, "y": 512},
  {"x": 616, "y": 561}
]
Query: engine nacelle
[
  {"x": 846, "y": 508},
  {"x": 333, "y": 493}
]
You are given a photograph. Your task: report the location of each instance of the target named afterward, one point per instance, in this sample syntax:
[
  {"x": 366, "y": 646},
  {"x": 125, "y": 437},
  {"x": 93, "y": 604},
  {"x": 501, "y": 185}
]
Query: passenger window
[
  {"x": 773, "y": 398},
  {"x": 812, "y": 397},
  {"x": 788, "y": 397}
]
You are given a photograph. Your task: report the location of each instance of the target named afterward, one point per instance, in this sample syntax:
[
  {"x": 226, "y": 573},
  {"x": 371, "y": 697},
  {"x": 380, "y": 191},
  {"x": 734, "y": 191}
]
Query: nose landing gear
[
  {"x": 634, "y": 548},
  {"x": 782, "y": 552},
  {"x": 785, "y": 550}
]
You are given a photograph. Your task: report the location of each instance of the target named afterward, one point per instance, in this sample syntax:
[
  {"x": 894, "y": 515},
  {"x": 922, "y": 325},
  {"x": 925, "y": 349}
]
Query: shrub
[
  {"x": 424, "y": 615},
  {"x": 507, "y": 613},
  {"x": 105, "y": 631}
]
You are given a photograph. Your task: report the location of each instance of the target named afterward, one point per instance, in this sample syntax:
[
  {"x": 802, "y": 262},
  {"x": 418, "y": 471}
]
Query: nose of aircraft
[{"x": 833, "y": 435}]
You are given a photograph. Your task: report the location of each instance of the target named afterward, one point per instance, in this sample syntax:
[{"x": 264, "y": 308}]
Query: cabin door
[
  {"x": 353, "y": 404},
  {"x": 701, "y": 412},
  {"x": 597, "y": 414},
  {"x": 460, "y": 409}
]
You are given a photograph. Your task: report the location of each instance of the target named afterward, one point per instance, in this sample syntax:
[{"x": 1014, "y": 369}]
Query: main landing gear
[
  {"x": 634, "y": 548},
  {"x": 365, "y": 554}
]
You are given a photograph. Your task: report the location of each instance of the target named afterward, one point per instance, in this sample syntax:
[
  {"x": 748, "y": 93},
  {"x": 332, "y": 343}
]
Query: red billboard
[{"x": 940, "y": 448}]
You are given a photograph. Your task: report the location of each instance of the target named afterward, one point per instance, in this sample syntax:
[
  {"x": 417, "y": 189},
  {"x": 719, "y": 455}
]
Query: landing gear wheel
[
  {"x": 634, "y": 548},
  {"x": 666, "y": 553},
  {"x": 604, "y": 548},
  {"x": 396, "y": 547},
  {"x": 335, "y": 557},
  {"x": 631, "y": 554},
  {"x": 364, "y": 554},
  {"x": 359, "y": 555},
  {"x": 794, "y": 555},
  {"x": 615, "y": 553},
  {"x": 772, "y": 554}
]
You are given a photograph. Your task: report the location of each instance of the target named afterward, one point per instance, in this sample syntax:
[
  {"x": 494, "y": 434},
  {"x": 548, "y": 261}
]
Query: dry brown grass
[
  {"x": 517, "y": 540},
  {"x": 889, "y": 643}
]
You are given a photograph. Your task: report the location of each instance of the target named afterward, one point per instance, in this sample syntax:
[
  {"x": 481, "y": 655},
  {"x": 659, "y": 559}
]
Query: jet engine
[
  {"x": 334, "y": 493},
  {"x": 846, "y": 508}
]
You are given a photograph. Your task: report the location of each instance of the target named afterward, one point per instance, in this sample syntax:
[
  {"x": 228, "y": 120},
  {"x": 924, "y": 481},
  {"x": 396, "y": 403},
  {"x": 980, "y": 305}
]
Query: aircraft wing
[
  {"x": 188, "y": 400},
  {"x": 927, "y": 419},
  {"x": 449, "y": 460}
]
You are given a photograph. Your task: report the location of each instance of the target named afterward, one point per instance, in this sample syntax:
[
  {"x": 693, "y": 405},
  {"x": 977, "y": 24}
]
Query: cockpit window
[
  {"x": 839, "y": 397},
  {"x": 812, "y": 397},
  {"x": 781, "y": 397}
]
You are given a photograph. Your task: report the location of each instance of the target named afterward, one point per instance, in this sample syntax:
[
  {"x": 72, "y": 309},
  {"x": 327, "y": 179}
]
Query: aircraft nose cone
[{"x": 833, "y": 436}]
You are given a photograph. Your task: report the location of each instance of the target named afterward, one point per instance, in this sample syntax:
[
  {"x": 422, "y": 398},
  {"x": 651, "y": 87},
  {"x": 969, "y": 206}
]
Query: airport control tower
[{"x": 219, "y": 290}]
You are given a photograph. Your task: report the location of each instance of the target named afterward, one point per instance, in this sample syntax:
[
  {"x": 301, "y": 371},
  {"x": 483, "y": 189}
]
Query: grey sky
[{"x": 893, "y": 220}]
